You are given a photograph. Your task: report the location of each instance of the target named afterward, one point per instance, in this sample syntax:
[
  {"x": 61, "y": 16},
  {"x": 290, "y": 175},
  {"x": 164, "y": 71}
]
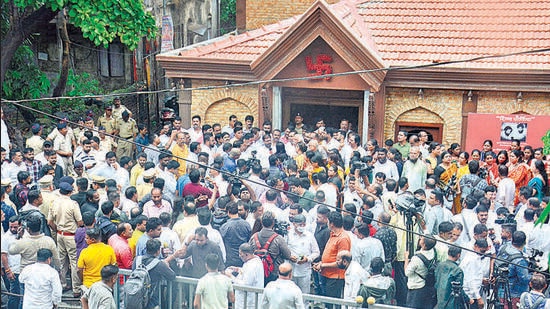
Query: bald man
[{"x": 283, "y": 292}]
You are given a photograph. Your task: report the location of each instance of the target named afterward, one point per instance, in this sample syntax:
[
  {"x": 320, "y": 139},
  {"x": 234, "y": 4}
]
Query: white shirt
[
  {"x": 13, "y": 170},
  {"x": 5, "y": 137},
  {"x": 302, "y": 245},
  {"x": 42, "y": 286},
  {"x": 389, "y": 168},
  {"x": 354, "y": 277},
  {"x": 506, "y": 192},
  {"x": 251, "y": 274},
  {"x": 170, "y": 239},
  {"x": 364, "y": 250},
  {"x": 282, "y": 294},
  {"x": 475, "y": 269},
  {"x": 14, "y": 260},
  {"x": 331, "y": 193}
]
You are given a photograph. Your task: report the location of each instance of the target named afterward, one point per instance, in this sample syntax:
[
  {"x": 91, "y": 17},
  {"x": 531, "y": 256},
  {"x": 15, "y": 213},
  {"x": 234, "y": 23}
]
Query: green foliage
[
  {"x": 228, "y": 15},
  {"x": 102, "y": 21},
  {"x": 24, "y": 80},
  {"x": 546, "y": 143},
  {"x": 77, "y": 85}
]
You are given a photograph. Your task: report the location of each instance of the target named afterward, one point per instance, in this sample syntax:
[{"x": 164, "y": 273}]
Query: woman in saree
[
  {"x": 462, "y": 170},
  {"x": 528, "y": 154},
  {"x": 487, "y": 146},
  {"x": 539, "y": 182},
  {"x": 454, "y": 150},
  {"x": 492, "y": 168},
  {"x": 502, "y": 157},
  {"x": 433, "y": 158},
  {"x": 519, "y": 172},
  {"x": 447, "y": 173}
]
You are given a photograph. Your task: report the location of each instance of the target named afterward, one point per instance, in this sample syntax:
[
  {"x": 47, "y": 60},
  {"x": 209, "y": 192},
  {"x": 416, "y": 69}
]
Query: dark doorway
[
  {"x": 434, "y": 130},
  {"x": 330, "y": 114},
  {"x": 330, "y": 105}
]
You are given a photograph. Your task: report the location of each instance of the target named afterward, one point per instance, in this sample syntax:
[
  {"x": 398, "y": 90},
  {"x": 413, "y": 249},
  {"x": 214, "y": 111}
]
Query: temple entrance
[{"x": 330, "y": 105}]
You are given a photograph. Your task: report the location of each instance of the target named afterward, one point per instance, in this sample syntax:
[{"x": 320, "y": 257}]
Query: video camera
[
  {"x": 281, "y": 227},
  {"x": 409, "y": 204},
  {"x": 508, "y": 219}
]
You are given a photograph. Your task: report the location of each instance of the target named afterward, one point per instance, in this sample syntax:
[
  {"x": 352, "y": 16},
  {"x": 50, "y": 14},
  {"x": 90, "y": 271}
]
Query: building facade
[{"x": 398, "y": 65}]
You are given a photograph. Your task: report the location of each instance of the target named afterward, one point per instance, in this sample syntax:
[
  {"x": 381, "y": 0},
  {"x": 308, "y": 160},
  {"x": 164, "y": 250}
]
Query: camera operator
[
  {"x": 476, "y": 267},
  {"x": 449, "y": 280},
  {"x": 518, "y": 275},
  {"x": 535, "y": 298}
]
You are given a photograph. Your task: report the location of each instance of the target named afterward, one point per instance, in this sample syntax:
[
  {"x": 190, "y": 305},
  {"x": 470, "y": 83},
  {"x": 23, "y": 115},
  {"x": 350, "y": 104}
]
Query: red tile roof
[{"x": 411, "y": 32}]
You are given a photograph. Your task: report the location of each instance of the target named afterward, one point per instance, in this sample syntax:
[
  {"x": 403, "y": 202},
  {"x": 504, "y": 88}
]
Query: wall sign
[{"x": 320, "y": 67}]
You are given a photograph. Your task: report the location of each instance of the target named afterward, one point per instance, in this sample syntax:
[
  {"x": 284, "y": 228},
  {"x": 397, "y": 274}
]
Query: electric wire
[
  {"x": 292, "y": 79},
  {"x": 205, "y": 166}
]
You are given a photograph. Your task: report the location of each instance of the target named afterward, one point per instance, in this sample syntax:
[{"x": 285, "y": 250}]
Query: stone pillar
[
  {"x": 184, "y": 103},
  {"x": 277, "y": 108},
  {"x": 365, "y": 128}
]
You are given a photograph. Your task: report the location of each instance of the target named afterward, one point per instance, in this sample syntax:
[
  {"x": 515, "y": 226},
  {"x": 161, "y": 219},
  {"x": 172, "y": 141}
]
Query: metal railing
[{"x": 182, "y": 291}]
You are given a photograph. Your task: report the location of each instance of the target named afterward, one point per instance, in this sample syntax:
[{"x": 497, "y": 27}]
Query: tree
[{"x": 101, "y": 21}]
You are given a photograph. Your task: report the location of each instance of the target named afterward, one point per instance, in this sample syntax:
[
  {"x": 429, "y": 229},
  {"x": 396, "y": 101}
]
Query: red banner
[{"x": 502, "y": 129}]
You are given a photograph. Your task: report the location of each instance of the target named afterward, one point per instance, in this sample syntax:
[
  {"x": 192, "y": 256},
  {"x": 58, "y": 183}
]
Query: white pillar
[
  {"x": 365, "y": 129},
  {"x": 277, "y": 110}
]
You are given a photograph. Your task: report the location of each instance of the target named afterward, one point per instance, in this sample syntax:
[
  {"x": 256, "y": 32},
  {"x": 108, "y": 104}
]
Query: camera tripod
[
  {"x": 456, "y": 295},
  {"x": 501, "y": 282}
]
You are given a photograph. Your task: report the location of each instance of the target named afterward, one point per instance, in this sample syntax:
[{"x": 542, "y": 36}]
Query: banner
[
  {"x": 502, "y": 129},
  {"x": 167, "y": 34}
]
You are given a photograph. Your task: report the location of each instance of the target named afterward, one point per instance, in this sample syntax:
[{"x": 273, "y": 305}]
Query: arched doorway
[{"x": 420, "y": 119}]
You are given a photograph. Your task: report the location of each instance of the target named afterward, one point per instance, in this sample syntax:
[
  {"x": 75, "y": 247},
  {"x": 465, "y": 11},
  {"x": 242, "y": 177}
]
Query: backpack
[
  {"x": 526, "y": 302},
  {"x": 14, "y": 196},
  {"x": 431, "y": 265},
  {"x": 503, "y": 260},
  {"x": 265, "y": 257},
  {"x": 138, "y": 287},
  {"x": 44, "y": 228},
  {"x": 469, "y": 187}
]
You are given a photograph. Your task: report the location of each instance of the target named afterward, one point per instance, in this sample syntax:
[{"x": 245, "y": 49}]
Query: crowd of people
[{"x": 338, "y": 216}]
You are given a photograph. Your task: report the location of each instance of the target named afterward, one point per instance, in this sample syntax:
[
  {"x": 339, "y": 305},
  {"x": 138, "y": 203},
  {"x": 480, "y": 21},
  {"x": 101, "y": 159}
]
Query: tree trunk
[
  {"x": 19, "y": 31},
  {"x": 64, "y": 74}
]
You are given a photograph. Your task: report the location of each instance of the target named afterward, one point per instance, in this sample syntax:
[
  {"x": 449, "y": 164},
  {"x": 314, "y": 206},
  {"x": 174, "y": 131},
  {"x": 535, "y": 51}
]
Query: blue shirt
[
  {"x": 143, "y": 140},
  {"x": 8, "y": 213},
  {"x": 229, "y": 164},
  {"x": 235, "y": 232}
]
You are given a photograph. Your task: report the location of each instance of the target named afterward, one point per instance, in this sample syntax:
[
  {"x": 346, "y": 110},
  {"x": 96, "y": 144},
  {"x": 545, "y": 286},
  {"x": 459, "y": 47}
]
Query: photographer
[
  {"x": 535, "y": 298},
  {"x": 449, "y": 280},
  {"x": 518, "y": 275}
]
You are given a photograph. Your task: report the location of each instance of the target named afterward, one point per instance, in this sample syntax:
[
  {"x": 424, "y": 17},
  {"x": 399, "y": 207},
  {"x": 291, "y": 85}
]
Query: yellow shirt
[
  {"x": 92, "y": 259},
  {"x": 178, "y": 153},
  {"x": 132, "y": 242},
  {"x": 134, "y": 174}
]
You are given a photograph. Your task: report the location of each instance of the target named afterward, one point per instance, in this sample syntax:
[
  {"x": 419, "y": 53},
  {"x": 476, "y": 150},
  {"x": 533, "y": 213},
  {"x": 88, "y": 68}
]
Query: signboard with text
[{"x": 503, "y": 128}]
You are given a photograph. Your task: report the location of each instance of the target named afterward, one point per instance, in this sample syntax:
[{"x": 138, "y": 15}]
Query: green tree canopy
[{"x": 101, "y": 21}]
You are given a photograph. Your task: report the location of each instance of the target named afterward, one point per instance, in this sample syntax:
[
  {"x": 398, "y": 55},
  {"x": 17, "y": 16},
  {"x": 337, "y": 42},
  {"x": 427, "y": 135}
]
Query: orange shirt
[{"x": 336, "y": 243}]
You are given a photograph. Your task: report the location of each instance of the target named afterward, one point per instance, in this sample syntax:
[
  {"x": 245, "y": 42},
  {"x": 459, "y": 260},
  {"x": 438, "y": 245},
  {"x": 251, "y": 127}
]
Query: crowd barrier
[{"x": 179, "y": 294}]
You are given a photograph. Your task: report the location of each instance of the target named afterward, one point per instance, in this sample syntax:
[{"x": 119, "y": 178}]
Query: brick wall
[
  {"x": 216, "y": 105},
  {"x": 257, "y": 15},
  {"x": 445, "y": 107},
  {"x": 436, "y": 106},
  {"x": 506, "y": 103}
]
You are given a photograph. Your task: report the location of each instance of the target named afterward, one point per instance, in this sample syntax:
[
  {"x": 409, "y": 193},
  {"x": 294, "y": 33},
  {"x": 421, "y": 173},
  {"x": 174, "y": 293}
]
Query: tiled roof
[{"x": 410, "y": 32}]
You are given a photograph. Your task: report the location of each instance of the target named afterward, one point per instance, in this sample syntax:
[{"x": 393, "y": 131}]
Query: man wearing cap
[
  {"x": 45, "y": 185},
  {"x": 63, "y": 145},
  {"x": 98, "y": 184},
  {"x": 299, "y": 125},
  {"x": 127, "y": 130},
  {"x": 108, "y": 121},
  {"x": 304, "y": 250},
  {"x": 147, "y": 185},
  {"x": 35, "y": 141},
  {"x": 64, "y": 218}
]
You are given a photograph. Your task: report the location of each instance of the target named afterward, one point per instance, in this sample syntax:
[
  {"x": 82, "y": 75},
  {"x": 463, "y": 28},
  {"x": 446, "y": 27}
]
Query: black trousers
[
  {"x": 334, "y": 288},
  {"x": 400, "y": 283}
]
